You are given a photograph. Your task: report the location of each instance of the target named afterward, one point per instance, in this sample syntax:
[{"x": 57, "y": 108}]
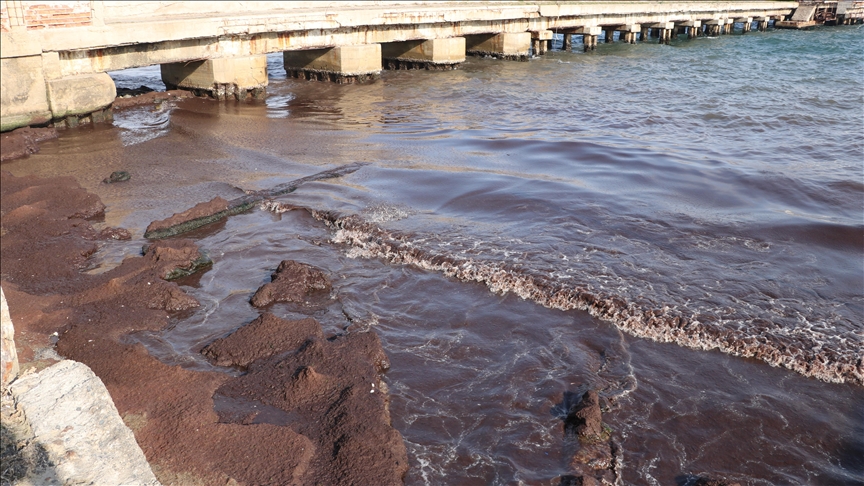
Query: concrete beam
[
  {"x": 588, "y": 30},
  {"x": 627, "y": 28},
  {"x": 663, "y": 25},
  {"x": 343, "y": 65},
  {"x": 431, "y": 54},
  {"x": 513, "y": 46},
  {"x": 234, "y": 77},
  {"x": 543, "y": 35},
  {"x": 690, "y": 23}
]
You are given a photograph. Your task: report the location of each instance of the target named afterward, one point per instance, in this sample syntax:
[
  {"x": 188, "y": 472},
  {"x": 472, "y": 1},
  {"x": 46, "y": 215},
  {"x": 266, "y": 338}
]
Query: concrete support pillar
[
  {"x": 645, "y": 31},
  {"x": 664, "y": 31},
  {"x": 608, "y": 35},
  {"x": 342, "y": 65},
  {"x": 541, "y": 41},
  {"x": 224, "y": 78},
  {"x": 761, "y": 23},
  {"x": 715, "y": 27},
  {"x": 590, "y": 42},
  {"x": 690, "y": 28},
  {"x": 745, "y": 23},
  {"x": 512, "y": 46},
  {"x": 568, "y": 41},
  {"x": 624, "y": 31},
  {"x": 432, "y": 54}
]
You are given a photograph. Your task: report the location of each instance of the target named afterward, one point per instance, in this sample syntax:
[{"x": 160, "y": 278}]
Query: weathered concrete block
[
  {"x": 80, "y": 95},
  {"x": 516, "y": 46},
  {"x": 221, "y": 78},
  {"x": 8, "y": 352},
  {"x": 437, "y": 51},
  {"x": 73, "y": 417},
  {"x": 343, "y": 64},
  {"x": 23, "y": 99}
]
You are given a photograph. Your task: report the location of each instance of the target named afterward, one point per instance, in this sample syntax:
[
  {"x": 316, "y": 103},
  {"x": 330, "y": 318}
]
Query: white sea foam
[{"x": 795, "y": 349}]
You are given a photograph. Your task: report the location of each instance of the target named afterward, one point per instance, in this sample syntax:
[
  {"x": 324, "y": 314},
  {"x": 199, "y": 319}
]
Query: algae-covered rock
[
  {"x": 117, "y": 176},
  {"x": 291, "y": 282}
]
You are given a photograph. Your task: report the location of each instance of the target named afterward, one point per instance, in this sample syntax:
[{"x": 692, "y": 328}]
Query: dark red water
[{"x": 633, "y": 221}]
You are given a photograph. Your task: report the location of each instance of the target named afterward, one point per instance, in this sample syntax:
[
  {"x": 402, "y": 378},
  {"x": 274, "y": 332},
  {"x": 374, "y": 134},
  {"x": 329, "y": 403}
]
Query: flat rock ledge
[{"x": 75, "y": 421}]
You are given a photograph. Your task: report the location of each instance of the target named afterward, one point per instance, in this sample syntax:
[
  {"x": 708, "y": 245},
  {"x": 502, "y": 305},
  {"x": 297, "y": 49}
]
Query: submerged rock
[
  {"x": 330, "y": 390},
  {"x": 117, "y": 176},
  {"x": 291, "y": 282},
  {"x": 115, "y": 234},
  {"x": 261, "y": 338},
  {"x": 176, "y": 258},
  {"x": 586, "y": 419},
  {"x": 703, "y": 481},
  {"x": 194, "y": 217},
  {"x": 23, "y": 141},
  {"x": 596, "y": 458}
]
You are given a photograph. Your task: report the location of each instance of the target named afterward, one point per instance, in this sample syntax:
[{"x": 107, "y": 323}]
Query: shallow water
[{"x": 523, "y": 227}]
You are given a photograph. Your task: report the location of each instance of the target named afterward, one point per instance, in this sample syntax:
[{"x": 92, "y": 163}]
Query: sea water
[{"x": 679, "y": 227}]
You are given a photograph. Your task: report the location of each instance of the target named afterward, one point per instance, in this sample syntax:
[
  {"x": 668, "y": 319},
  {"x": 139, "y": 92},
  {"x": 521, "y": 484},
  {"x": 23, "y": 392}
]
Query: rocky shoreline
[
  {"x": 332, "y": 425},
  {"x": 298, "y": 407}
]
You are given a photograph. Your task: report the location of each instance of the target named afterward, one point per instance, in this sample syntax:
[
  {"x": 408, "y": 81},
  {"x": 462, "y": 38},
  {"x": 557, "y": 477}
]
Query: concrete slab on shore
[{"x": 76, "y": 423}]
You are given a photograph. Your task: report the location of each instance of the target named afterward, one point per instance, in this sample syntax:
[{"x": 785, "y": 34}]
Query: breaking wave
[{"x": 794, "y": 349}]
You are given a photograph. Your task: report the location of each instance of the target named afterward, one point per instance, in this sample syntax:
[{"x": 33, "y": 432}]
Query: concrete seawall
[{"x": 55, "y": 55}]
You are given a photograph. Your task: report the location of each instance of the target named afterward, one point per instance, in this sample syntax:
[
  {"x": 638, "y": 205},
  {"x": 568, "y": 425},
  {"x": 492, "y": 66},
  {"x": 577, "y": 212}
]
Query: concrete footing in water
[
  {"x": 342, "y": 65},
  {"x": 432, "y": 54},
  {"x": 35, "y": 93},
  {"x": 513, "y": 46},
  {"x": 225, "y": 78}
]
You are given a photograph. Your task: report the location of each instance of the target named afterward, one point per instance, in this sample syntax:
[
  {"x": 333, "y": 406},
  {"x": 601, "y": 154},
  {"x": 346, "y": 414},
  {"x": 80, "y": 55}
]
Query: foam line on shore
[{"x": 665, "y": 324}]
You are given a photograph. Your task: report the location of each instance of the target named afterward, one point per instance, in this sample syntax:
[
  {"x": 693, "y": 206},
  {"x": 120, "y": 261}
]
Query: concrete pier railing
[{"x": 55, "y": 54}]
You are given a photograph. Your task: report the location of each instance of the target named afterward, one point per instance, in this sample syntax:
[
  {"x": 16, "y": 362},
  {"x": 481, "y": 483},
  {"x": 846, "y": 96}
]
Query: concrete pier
[
  {"x": 664, "y": 30},
  {"x": 627, "y": 32},
  {"x": 541, "y": 41},
  {"x": 746, "y": 24},
  {"x": 54, "y": 63}
]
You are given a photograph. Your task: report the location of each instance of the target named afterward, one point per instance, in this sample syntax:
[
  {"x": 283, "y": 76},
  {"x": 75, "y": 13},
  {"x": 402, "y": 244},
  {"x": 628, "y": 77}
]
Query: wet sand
[{"x": 329, "y": 427}]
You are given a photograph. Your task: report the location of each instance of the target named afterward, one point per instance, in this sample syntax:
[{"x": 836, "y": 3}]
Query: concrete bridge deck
[{"x": 54, "y": 53}]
